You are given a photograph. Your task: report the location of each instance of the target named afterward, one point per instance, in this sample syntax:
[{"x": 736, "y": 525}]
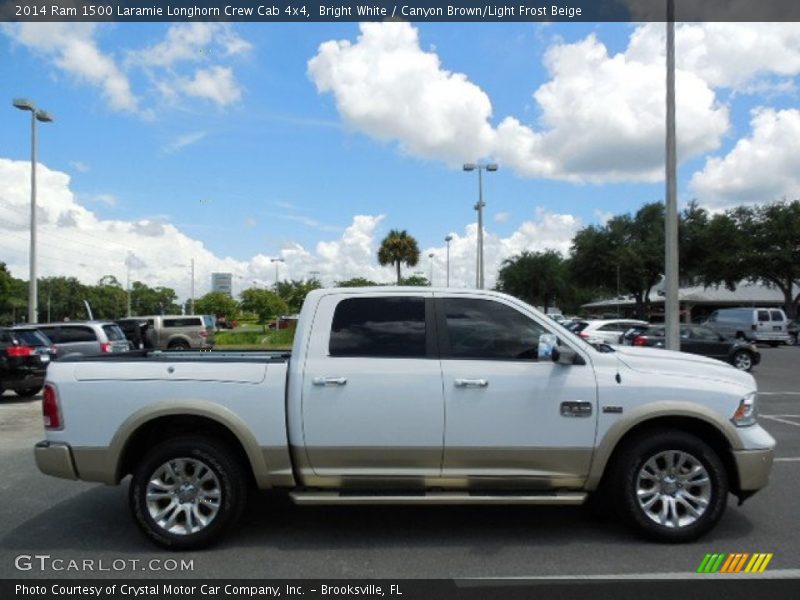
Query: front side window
[
  {"x": 379, "y": 327},
  {"x": 484, "y": 329},
  {"x": 776, "y": 315}
]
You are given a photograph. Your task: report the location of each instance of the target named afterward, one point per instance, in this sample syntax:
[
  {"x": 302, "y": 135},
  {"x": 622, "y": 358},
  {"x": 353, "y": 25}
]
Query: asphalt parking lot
[{"x": 68, "y": 520}]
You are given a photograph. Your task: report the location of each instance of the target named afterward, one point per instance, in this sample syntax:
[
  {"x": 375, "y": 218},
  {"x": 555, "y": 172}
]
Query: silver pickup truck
[{"x": 410, "y": 396}]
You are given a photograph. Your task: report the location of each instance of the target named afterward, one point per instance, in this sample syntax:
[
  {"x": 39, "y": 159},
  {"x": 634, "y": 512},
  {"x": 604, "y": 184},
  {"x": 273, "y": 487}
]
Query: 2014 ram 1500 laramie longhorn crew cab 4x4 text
[{"x": 410, "y": 396}]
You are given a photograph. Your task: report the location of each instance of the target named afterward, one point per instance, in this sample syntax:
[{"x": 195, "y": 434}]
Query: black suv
[{"x": 25, "y": 353}]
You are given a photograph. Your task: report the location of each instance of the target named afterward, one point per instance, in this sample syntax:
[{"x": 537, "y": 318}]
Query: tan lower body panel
[{"x": 753, "y": 467}]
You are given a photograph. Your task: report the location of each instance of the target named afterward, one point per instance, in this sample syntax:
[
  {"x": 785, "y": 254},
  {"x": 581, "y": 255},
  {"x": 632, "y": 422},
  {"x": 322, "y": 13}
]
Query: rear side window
[
  {"x": 483, "y": 329},
  {"x": 763, "y": 315},
  {"x": 5, "y": 337},
  {"x": 30, "y": 337},
  {"x": 379, "y": 327},
  {"x": 78, "y": 333},
  {"x": 612, "y": 327},
  {"x": 51, "y": 333},
  {"x": 184, "y": 322},
  {"x": 777, "y": 315},
  {"x": 113, "y": 333}
]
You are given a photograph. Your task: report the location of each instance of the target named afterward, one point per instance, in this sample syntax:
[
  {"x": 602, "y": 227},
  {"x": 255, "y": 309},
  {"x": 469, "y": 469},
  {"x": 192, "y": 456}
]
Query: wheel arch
[
  {"x": 709, "y": 430},
  {"x": 155, "y": 424}
]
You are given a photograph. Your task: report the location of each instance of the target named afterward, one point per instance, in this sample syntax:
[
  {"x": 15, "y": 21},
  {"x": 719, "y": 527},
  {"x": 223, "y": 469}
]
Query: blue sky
[{"x": 223, "y": 144}]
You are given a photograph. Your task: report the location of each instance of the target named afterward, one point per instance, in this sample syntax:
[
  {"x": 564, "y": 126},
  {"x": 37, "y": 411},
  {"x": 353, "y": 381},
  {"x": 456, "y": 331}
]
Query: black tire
[
  {"x": 742, "y": 360},
  {"x": 229, "y": 477},
  {"x": 792, "y": 340},
  {"x": 178, "y": 346},
  {"x": 28, "y": 392},
  {"x": 774, "y": 344},
  {"x": 631, "y": 463}
]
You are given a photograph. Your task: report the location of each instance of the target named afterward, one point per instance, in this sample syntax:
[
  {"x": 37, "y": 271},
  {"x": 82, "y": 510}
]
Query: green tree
[
  {"x": 218, "y": 304},
  {"x": 396, "y": 248},
  {"x": 153, "y": 301},
  {"x": 356, "y": 282},
  {"x": 266, "y": 305},
  {"x": 628, "y": 249},
  {"x": 294, "y": 292},
  {"x": 415, "y": 281},
  {"x": 536, "y": 277},
  {"x": 13, "y": 296},
  {"x": 65, "y": 296},
  {"x": 108, "y": 299}
]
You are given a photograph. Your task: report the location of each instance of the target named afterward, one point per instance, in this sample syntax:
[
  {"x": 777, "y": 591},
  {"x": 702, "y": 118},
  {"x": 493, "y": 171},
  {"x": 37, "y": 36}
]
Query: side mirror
[{"x": 565, "y": 356}]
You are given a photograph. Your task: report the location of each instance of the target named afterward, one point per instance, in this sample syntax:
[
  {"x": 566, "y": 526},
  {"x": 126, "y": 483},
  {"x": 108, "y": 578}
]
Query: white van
[{"x": 756, "y": 324}]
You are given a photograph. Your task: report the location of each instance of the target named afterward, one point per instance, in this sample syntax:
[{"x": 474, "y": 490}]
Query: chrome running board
[{"x": 387, "y": 497}]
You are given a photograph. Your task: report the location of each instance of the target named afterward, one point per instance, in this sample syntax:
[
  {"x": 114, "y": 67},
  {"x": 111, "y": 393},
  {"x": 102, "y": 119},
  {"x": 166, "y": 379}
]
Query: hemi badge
[{"x": 612, "y": 409}]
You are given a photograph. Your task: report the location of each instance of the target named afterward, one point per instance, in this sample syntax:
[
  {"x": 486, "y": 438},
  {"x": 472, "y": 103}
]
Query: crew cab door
[
  {"x": 510, "y": 416},
  {"x": 372, "y": 402}
]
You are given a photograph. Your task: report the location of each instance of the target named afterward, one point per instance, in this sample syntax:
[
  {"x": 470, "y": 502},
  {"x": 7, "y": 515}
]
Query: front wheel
[
  {"x": 742, "y": 360},
  {"x": 792, "y": 341},
  {"x": 671, "y": 486},
  {"x": 187, "y": 492}
]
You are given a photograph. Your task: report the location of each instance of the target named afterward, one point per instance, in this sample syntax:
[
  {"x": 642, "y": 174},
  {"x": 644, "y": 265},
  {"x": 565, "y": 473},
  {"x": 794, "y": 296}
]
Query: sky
[{"x": 233, "y": 144}]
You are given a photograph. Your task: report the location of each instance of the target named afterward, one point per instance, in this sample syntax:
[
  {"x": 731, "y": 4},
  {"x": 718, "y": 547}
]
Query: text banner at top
[{"x": 404, "y": 10}]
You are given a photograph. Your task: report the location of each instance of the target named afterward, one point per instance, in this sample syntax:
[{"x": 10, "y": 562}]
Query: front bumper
[
  {"x": 754, "y": 460},
  {"x": 55, "y": 459}
]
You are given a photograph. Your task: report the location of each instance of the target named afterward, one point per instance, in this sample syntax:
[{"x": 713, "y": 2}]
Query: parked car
[
  {"x": 356, "y": 415},
  {"x": 755, "y": 324},
  {"x": 607, "y": 331},
  {"x": 85, "y": 338},
  {"x": 180, "y": 332},
  {"x": 697, "y": 339},
  {"x": 792, "y": 330},
  {"x": 25, "y": 354}
]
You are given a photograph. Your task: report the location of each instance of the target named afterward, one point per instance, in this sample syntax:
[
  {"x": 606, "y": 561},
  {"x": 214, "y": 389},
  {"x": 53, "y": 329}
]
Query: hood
[{"x": 669, "y": 362}]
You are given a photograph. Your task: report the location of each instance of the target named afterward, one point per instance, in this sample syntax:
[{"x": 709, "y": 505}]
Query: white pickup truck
[{"x": 410, "y": 396}]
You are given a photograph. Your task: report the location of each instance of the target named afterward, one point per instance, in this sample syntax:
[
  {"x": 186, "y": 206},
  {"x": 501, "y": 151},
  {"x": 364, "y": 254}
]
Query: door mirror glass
[{"x": 564, "y": 355}]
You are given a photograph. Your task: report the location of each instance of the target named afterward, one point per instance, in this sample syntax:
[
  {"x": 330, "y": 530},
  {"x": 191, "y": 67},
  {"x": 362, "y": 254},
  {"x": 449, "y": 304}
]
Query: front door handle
[
  {"x": 472, "y": 383},
  {"x": 329, "y": 380}
]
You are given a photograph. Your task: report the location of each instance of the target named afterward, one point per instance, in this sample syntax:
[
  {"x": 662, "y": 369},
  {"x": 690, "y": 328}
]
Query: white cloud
[
  {"x": 182, "y": 141},
  {"x": 762, "y": 167},
  {"x": 72, "y": 48},
  {"x": 386, "y": 86},
  {"x": 191, "y": 42},
  {"x": 79, "y": 166},
  {"x": 601, "y": 115},
  {"x": 74, "y": 241},
  {"x": 217, "y": 84},
  {"x": 501, "y": 217}
]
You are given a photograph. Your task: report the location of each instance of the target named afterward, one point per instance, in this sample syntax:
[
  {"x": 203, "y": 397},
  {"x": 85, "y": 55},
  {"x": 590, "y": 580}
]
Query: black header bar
[{"x": 495, "y": 11}]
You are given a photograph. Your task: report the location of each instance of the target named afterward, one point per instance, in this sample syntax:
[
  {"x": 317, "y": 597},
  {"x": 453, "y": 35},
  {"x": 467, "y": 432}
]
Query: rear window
[
  {"x": 379, "y": 327},
  {"x": 184, "y": 322},
  {"x": 578, "y": 327},
  {"x": 31, "y": 337},
  {"x": 113, "y": 333}
]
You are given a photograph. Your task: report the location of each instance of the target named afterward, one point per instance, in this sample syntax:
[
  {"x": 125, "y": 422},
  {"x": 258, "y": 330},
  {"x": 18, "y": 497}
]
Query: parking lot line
[
  {"x": 787, "y": 459},
  {"x": 779, "y": 420},
  {"x": 779, "y": 393}
]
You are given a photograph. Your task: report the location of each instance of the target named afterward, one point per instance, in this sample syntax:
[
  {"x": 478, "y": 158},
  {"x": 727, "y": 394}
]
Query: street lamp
[
  {"x": 448, "y": 239},
  {"x": 430, "y": 281},
  {"x": 276, "y": 261},
  {"x": 480, "y": 167},
  {"x": 44, "y": 117}
]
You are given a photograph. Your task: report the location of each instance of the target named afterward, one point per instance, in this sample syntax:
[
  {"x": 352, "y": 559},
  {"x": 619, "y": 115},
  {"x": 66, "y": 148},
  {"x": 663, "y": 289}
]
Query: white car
[{"x": 607, "y": 331}]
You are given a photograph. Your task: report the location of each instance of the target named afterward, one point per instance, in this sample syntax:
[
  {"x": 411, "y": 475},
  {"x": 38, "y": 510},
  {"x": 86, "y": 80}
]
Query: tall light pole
[
  {"x": 671, "y": 303},
  {"x": 276, "y": 261},
  {"x": 44, "y": 117},
  {"x": 448, "y": 239},
  {"x": 191, "y": 312},
  {"x": 430, "y": 280},
  {"x": 480, "y": 167}
]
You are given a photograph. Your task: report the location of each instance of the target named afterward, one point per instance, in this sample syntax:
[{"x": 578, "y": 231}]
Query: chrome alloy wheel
[
  {"x": 183, "y": 496},
  {"x": 673, "y": 489},
  {"x": 742, "y": 361}
]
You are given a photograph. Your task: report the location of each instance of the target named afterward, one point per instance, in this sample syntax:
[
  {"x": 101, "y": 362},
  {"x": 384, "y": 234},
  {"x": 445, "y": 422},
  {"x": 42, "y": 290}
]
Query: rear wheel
[
  {"x": 774, "y": 344},
  {"x": 179, "y": 346},
  {"x": 187, "y": 492},
  {"x": 742, "y": 360},
  {"x": 28, "y": 392},
  {"x": 671, "y": 486}
]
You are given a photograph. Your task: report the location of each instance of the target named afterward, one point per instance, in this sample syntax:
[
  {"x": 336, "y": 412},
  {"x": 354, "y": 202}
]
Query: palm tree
[{"x": 398, "y": 247}]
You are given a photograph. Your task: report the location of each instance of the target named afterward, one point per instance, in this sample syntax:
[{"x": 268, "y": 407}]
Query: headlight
[{"x": 747, "y": 411}]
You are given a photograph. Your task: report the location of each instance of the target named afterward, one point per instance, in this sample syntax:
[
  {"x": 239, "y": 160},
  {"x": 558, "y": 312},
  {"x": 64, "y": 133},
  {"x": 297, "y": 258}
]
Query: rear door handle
[
  {"x": 329, "y": 381},
  {"x": 472, "y": 383}
]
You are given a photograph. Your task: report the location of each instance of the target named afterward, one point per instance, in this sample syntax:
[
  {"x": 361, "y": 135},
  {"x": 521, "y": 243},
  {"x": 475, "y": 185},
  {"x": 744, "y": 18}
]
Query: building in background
[{"x": 222, "y": 282}]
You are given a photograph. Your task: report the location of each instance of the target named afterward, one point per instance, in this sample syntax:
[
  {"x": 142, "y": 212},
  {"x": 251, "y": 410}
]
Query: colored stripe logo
[{"x": 738, "y": 562}]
